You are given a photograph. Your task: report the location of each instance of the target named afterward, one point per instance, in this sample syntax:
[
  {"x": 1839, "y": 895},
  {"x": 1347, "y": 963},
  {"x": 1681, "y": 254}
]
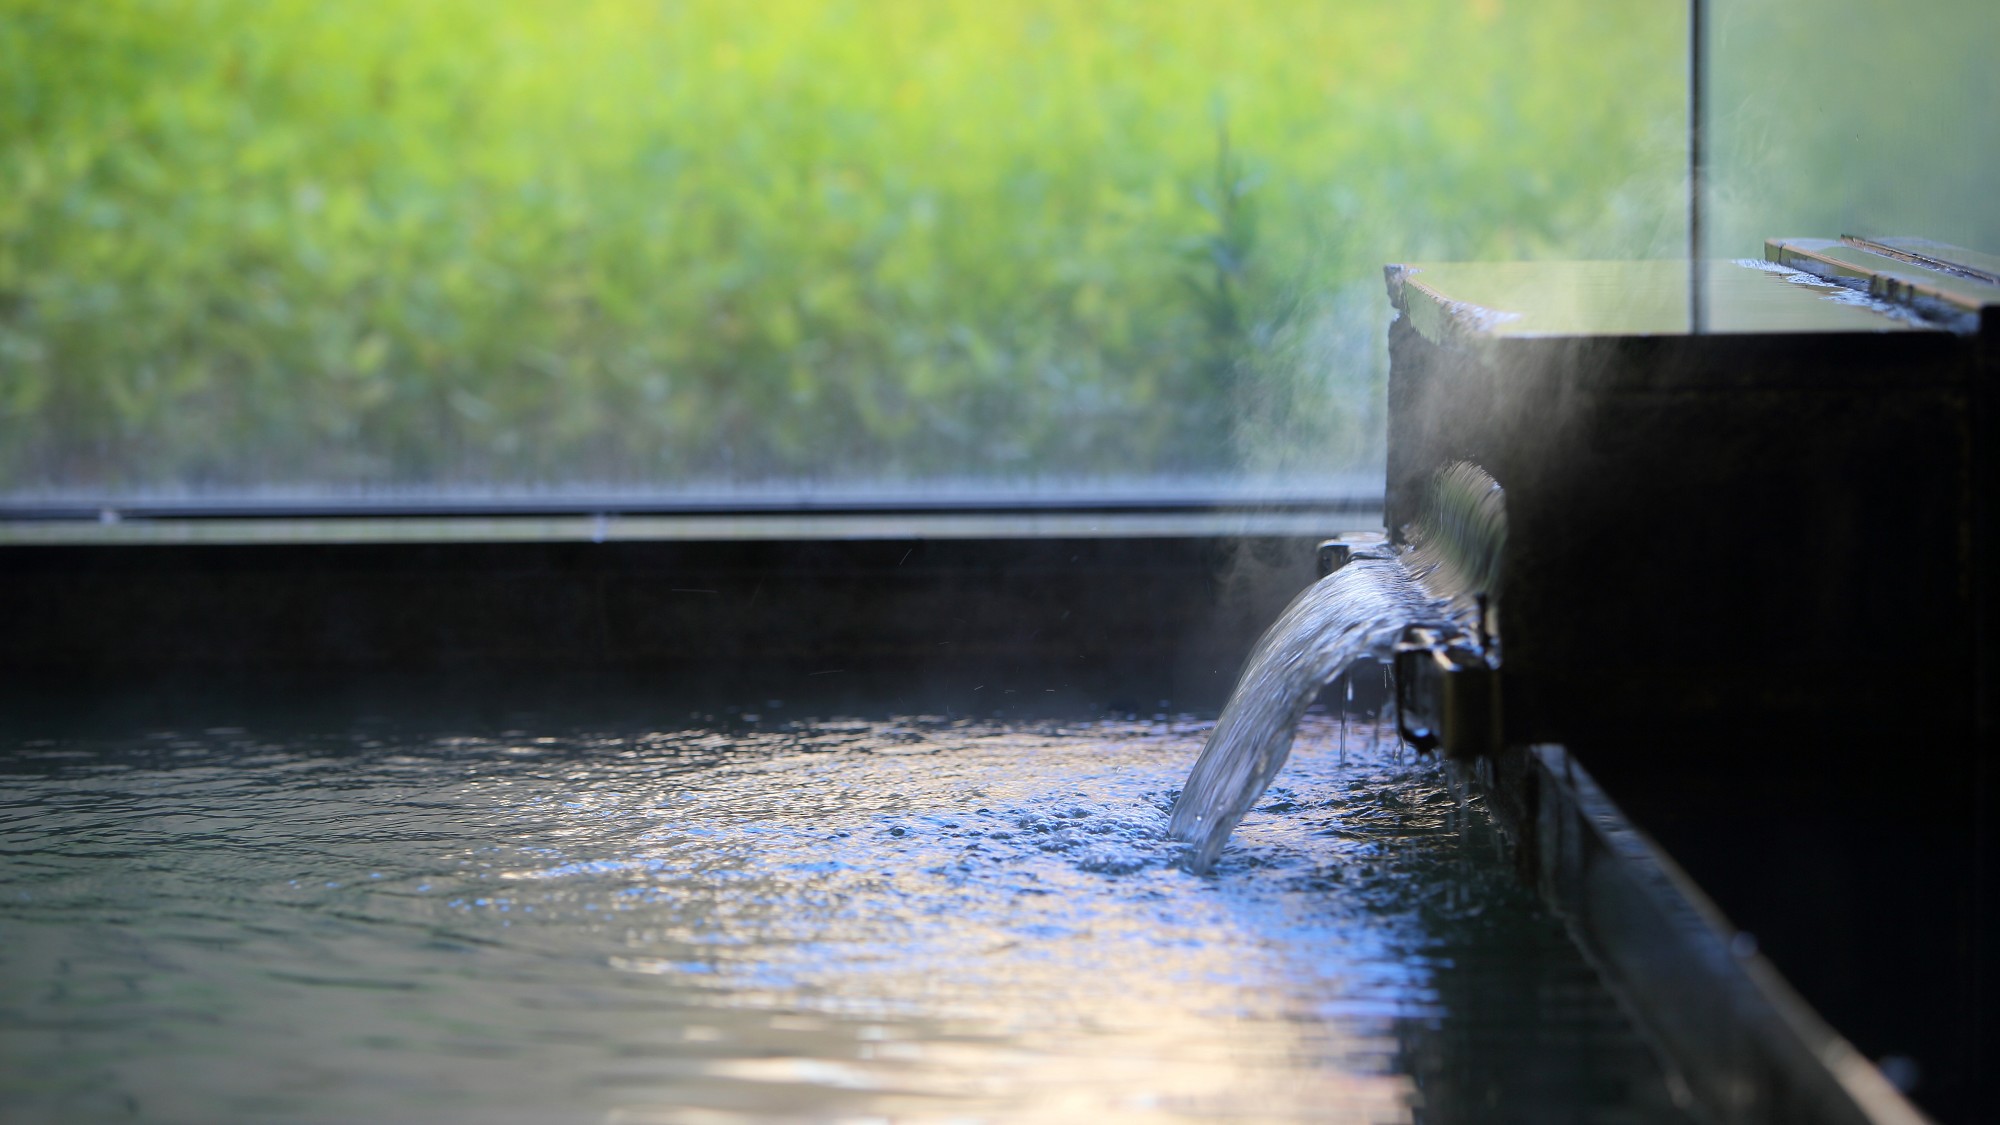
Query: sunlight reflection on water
[{"x": 917, "y": 919}]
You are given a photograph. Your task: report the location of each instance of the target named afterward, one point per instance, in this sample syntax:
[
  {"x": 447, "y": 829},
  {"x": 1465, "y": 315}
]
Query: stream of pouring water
[{"x": 1355, "y": 613}]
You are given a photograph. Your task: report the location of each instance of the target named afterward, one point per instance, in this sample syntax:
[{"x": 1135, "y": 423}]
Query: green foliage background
[
  {"x": 1847, "y": 116},
  {"x": 516, "y": 243}
]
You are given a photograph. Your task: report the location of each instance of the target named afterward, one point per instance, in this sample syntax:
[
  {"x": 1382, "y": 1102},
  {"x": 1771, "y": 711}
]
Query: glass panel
[
  {"x": 470, "y": 247},
  {"x": 1850, "y": 117}
]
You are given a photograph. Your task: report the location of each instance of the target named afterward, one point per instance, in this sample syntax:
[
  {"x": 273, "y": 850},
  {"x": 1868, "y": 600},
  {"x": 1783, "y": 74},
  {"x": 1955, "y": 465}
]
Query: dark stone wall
[
  {"x": 1747, "y": 583},
  {"x": 967, "y": 625}
]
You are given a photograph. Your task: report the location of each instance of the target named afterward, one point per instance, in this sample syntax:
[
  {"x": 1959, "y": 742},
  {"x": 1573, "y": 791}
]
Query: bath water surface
[{"x": 919, "y": 919}]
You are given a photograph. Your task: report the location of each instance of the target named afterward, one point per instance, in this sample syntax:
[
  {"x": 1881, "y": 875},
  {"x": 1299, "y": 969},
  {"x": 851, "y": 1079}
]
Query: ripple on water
[{"x": 920, "y": 918}]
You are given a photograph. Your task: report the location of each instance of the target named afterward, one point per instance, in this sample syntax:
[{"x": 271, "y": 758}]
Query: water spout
[
  {"x": 1355, "y": 613},
  {"x": 1448, "y": 575}
]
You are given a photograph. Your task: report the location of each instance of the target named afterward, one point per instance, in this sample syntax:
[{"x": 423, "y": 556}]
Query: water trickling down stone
[{"x": 1355, "y": 613}]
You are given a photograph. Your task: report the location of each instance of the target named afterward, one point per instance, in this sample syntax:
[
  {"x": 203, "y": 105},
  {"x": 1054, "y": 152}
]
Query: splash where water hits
[
  {"x": 1352, "y": 615},
  {"x": 912, "y": 919}
]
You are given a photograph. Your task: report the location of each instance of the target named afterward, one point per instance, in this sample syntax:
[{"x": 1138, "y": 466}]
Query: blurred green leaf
[{"x": 475, "y": 243}]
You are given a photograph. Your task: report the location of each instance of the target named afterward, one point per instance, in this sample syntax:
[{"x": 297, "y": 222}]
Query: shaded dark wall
[
  {"x": 973, "y": 626},
  {"x": 1746, "y": 583}
]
